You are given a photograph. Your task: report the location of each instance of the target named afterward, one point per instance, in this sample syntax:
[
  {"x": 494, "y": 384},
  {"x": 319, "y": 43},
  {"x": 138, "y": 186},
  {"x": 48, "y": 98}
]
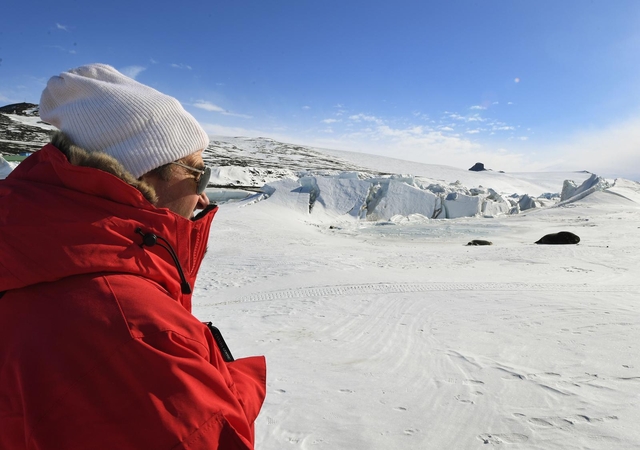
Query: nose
[{"x": 203, "y": 201}]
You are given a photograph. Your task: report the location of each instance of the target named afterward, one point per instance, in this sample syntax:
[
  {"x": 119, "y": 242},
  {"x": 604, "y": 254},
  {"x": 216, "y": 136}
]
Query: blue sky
[{"x": 518, "y": 85}]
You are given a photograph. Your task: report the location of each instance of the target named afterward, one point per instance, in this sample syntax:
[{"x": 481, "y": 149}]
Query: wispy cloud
[
  {"x": 330, "y": 121},
  {"x": 611, "y": 151},
  {"x": 62, "y": 27},
  {"x": 133, "y": 71},
  {"x": 365, "y": 118},
  {"x": 461, "y": 118},
  {"x": 181, "y": 66},
  {"x": 502, "y": 128},
  {"x": 306, "y": 107},
  {"x": 61, "y": 49},
  {"x": 341, "y": 109},
  {"x": 454, "y": 140},
  {"x": 478, "y": 107},
  {"x": 208, "y": 106}
]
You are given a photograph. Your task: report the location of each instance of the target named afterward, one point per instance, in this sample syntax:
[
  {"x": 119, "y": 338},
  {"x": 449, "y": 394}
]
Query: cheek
[{"x": 179, "y": 192}]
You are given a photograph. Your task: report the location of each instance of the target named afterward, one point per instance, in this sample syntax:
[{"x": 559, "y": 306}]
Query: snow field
[{"x": 394, "y": 334}]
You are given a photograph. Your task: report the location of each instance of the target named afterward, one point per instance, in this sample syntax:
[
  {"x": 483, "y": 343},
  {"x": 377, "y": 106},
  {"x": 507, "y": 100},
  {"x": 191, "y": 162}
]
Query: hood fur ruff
[{"x": 101, "y": 161}]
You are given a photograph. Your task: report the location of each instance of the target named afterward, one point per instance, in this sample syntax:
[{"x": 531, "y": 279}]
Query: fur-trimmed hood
[
  {"x": 97, "y": 160},
  {"x": 60, "y": 216}
]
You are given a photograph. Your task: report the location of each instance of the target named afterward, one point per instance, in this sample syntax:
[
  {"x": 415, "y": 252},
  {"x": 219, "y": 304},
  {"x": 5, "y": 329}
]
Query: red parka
[{"x": 98, "y": 346}]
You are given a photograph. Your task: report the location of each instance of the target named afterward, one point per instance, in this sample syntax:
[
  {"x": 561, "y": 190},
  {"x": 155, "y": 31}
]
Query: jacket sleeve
[
  {"x": 162, "y": 391},
  {"x": 194, "y": 394}
]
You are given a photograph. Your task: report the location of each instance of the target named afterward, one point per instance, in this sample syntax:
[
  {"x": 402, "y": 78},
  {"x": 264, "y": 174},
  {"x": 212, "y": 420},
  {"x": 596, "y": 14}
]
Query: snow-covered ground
[
  {"x": 393, "y": 334},
  {"x": 383, "y": 330}
]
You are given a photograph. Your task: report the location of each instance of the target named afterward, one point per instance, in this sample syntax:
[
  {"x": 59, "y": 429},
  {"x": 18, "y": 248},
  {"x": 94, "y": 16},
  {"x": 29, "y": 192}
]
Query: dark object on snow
[
  {"x": 563, "y": 237},
  {"x": 480, "y": 242},
  {"x": 478, "y": 167}
]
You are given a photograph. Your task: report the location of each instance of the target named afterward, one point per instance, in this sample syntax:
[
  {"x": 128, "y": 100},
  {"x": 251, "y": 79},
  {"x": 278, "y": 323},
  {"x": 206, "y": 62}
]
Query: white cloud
[
  {"x": 61, "y": 48},
  {"x": 62, "y": 27},
  {"x": 133, "y": 71},
  {"x": 306, "y": 107},
  {"x": 330, "y": 121},
  {"x": 208, "y": 106},
  {"x": 424, "y": 144},
  {"x": 181, "y": 66},
  {"x": 365, "y": 118},
  {"x": 610, "y": 152},
  {"x": 478, "y": 107}
]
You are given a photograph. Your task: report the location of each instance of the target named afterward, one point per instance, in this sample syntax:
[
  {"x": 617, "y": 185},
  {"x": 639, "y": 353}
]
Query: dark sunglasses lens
[{"x": 204, "y": 180}]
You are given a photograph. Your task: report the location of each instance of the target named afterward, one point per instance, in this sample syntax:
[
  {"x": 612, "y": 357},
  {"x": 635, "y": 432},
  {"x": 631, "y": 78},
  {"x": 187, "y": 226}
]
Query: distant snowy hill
[{"x": 336, "y": 183}]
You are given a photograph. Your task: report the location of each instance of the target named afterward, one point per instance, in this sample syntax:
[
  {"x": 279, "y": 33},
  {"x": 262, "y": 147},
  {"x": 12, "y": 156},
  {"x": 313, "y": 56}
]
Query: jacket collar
[{"x": 61, "y": 220}]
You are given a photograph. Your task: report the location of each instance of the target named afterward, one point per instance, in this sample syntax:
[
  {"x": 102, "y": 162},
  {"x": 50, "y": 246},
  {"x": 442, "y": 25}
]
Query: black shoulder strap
[
  {"x": 2, "y": 293},
  {"x": 222, "y": 345}
]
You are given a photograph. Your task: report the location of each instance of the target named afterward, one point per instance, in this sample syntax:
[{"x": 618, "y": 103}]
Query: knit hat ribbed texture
[{"x": 102, "y": 110}]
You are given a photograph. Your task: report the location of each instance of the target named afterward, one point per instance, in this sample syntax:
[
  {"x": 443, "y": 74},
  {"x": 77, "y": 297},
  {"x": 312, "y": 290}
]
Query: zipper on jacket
[{"x": 150, "y": 239}]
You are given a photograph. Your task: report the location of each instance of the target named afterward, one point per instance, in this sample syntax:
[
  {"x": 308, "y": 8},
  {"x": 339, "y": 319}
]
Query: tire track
[{"x": 398, "y": 288}]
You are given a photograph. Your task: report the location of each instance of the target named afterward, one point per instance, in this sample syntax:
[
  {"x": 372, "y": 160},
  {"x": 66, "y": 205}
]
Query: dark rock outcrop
[
  {"x": 17, "y": 137},
  {"x": 478, "y": 167},
  {"x": 21, "y": 109}
]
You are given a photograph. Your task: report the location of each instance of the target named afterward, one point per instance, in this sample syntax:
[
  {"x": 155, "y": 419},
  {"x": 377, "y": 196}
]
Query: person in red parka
[{"x": 99, "y": 252}]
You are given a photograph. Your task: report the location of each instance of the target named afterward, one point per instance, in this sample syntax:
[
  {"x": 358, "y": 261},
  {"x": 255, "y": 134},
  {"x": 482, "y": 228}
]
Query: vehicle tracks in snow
[{"x": 392, "y": 288}]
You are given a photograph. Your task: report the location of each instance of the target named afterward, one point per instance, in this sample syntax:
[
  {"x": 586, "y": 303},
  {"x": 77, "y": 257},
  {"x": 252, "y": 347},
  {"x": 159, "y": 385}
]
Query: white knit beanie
[{"x": 100, "y": 109}]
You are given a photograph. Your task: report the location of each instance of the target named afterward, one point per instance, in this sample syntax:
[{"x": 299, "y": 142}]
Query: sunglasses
[{"x": 202, "y": 179}]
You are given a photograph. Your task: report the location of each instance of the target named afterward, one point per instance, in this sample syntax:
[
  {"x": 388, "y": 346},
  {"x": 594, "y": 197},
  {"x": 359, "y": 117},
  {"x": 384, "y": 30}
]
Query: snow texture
[{"x": 393, "y": 333}]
